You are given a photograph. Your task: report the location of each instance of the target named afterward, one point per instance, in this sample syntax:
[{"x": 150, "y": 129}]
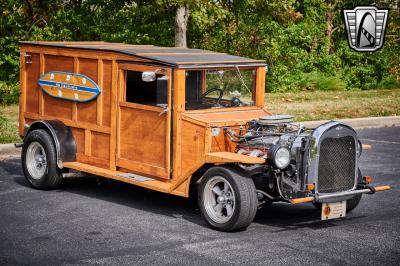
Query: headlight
[{"x": 280, "y": 156}]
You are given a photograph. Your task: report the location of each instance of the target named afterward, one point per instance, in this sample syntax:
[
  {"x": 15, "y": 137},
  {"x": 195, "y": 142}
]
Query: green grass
[
  {"x": 323, "y": 105},
  {"x": 9, "y": 124},
  {"x": 304, "y": 106}
]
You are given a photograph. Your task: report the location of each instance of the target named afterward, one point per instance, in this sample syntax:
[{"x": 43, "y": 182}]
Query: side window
[
  {"x": 193, "y": 86},
  {"x": 143, "y": 92}
]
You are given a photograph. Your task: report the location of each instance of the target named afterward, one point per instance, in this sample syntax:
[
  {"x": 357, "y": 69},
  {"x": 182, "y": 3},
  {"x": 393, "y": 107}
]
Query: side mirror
[{"x": 148, "y": 76}]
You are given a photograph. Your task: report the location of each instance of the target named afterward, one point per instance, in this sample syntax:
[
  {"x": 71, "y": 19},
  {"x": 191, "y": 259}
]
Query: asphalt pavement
[{"x": 90, "y": 221}]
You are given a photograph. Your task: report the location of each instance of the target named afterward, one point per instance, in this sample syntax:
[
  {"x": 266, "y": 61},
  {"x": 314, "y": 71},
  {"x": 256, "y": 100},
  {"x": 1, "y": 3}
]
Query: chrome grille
[{"x": 337, "y": 162}]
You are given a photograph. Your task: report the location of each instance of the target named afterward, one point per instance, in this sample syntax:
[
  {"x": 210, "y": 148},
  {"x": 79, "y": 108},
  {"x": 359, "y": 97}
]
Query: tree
[{"x": 181, "y": 21}]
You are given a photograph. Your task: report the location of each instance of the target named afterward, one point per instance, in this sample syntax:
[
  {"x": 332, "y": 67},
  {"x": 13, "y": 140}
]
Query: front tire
[
  {"x": 39, "y": 160},
  {"x": 227, "y": 199}
]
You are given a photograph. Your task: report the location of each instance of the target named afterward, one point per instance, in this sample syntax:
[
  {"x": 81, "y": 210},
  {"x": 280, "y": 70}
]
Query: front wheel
[
  {"x": 39, "y": 160},
  {"x": 227, "y": 199}
]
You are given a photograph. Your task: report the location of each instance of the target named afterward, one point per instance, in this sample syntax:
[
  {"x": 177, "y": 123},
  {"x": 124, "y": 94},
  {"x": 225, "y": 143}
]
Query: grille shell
[{"x": 337, "y": 164}]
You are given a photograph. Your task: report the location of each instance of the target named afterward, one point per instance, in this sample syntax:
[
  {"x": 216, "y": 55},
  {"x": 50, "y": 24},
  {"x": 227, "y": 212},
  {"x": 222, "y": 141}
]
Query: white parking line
[{"x": 381, "y": 141}]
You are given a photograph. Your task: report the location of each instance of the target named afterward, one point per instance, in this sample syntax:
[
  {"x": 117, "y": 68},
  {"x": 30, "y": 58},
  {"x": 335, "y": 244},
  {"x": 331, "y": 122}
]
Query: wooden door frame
[{"x": 145, "y": 169}]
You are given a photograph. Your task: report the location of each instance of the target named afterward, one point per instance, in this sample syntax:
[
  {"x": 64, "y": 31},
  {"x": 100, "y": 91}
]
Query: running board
[
  {"x": 143, "y": 181},
  {"x": 138, "y": 178}
]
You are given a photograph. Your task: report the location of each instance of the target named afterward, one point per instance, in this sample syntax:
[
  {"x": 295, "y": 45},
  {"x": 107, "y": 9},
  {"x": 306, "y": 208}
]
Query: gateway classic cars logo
[{"x": 365, "y": 27}]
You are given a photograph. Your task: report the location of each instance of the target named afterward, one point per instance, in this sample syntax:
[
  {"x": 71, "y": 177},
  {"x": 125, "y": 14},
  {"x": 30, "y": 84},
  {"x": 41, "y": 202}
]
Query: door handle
[{"x": 166, "y": 109}]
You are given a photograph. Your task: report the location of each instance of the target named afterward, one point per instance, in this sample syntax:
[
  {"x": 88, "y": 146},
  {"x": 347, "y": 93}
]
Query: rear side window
[{"x": 148, "y": 93}]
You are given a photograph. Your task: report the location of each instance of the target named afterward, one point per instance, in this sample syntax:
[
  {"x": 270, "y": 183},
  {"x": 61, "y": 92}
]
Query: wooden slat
[
  {"x": 88, "y": 143},
  {"x": 230, "y": 157},
  {"x": 114, "y": 108},
  {"x": 224, "y": 109},
  {"x": 74, "y": 104},
  {"x": 142, "y": 68},
  {"x": 100, "y": 97},
  {"x": 168, "y": 126},
  {"x": 70, "y": 123},
  {"x": 141, "y": 106},
  {"x": 121, "y": 87},
  {"x": 260, "y": 86},
  {"x": 178, "y": 107},
  {"x": 42, "y": 67},
  {"x": 95, "y": 161},
  {"x": 22, "y": 97}
]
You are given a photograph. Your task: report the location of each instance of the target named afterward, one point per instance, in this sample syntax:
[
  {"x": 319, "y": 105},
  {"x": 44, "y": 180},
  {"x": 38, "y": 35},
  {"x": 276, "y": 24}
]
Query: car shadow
[
  {"x": 279, "y": 216},
  {"x": 287, "y": 217}
]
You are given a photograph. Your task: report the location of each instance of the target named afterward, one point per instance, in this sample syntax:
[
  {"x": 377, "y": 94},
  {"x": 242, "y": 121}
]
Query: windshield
[{"x": 219, "y": 88}]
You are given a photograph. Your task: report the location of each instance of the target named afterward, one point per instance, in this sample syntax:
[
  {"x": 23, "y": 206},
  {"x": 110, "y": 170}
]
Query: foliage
[
  {"x": 9, "y": 124},
  {"x": 9, "y": 93},
  {"x": 303, "y": 41}
]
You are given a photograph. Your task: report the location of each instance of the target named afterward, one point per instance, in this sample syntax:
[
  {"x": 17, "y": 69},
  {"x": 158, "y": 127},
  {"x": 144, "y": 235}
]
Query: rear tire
[
  {"x": 227, "y": 199},
  {"x": 39, "y": 160}
]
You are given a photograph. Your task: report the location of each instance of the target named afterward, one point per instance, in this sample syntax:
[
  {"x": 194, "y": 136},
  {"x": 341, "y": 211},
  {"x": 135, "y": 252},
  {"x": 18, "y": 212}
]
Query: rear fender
[{"x": 62, "y": 136}]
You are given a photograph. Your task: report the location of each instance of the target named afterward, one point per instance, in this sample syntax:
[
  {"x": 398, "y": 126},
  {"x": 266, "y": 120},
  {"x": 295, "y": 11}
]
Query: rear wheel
[
  {"x": 39, "y": 160},
  {"x": 227, "y": 199}
]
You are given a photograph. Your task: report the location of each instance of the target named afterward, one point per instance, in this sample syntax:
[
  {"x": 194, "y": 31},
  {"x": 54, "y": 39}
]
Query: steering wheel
[{"x": 221, "y": 93}]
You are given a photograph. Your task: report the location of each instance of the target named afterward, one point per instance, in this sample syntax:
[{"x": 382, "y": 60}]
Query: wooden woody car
[{"x": 178, "y": 121}]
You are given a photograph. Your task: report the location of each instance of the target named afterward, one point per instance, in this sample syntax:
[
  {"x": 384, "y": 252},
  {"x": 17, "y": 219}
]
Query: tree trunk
[
  {"x": 330, "y": 15},
  {"x": 181, "y": 20}
]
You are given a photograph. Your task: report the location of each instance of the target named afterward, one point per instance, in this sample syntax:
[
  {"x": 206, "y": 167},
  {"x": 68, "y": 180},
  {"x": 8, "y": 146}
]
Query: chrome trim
[
  {"x": 341, "y": 194},
  {"x": 314, "y": 150}
]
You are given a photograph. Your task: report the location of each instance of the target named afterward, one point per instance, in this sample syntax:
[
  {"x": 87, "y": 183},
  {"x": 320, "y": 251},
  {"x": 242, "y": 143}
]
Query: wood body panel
[
  {"x": 143, "y": 131},
  {"x": 107, "y": 85},
  {"x": 52, "y": 106},
  {"x": 87, "y": 112},
  {"x": 225, "y": 117},
  {"x": 139, "y": 144},
  {"x": 98, "y": 125},
  {"x": 32, "y": 76},
  {"x": 100, "y": 145},
  {"x": 192, "y": 148},
  {"x": 221, "y": 143},
  {"x": 89, "y": 122}
]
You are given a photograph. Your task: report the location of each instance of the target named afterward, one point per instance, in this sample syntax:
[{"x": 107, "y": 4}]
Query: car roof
[{"x": 172, "y": 56}]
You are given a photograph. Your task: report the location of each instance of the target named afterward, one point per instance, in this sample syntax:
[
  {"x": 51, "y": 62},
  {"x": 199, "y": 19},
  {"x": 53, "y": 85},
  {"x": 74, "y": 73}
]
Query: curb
[{"x": 360, "y": 123}]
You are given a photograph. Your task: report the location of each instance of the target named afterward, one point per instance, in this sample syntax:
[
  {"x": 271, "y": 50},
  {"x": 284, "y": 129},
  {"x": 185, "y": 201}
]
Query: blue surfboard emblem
[{"x": 69, "y": 86}]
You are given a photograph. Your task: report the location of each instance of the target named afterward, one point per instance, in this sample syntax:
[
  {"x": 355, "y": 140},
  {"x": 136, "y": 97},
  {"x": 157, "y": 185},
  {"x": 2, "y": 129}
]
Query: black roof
[{"x": 174, "y": 56}]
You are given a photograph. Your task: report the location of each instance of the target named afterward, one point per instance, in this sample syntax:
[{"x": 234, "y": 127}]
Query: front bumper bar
[{"x": 316, "y": 198}]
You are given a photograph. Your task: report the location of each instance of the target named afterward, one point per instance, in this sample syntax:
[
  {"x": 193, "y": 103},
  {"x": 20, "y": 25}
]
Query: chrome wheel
[
  {"x": 219, "y": 199},
  {"x": 36, "y": 160}
]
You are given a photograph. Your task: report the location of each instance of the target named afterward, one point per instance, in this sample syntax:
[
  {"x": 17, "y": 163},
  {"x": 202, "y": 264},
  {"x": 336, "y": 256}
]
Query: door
[{"x": 144, "y": 120}]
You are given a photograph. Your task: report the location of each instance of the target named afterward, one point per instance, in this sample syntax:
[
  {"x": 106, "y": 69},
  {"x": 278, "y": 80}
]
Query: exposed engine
[
  {"x": 278, "y": 140},
  {"x": 299, "y": 161}
]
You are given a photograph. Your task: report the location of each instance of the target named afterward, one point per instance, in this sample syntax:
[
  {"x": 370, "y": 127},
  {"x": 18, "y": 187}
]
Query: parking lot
[{"x": 92, "y": 221}]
